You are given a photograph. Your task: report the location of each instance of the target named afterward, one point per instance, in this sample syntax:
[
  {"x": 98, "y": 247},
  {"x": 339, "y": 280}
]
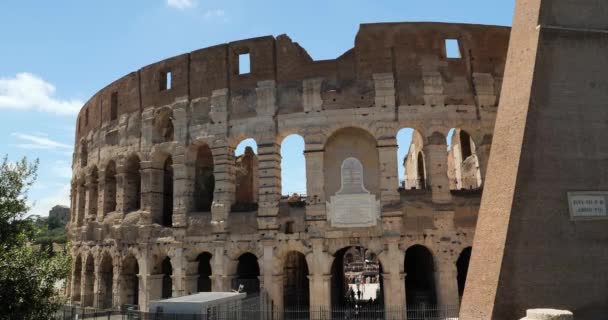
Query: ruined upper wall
[{"x": 407, "y": 50}]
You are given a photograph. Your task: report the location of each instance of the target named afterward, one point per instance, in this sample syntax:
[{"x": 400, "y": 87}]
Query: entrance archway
[
  {"x": 106, "y": 274},
  {"x": 130, "y": 281},
  {"x": 167, "y": 282},
  {"x": 462, "y": 266},
  {"x": 76, "y": 279},
  {"x": 419, "y": 277},
  {"x": 248, "y": 272},
  {"x": 296, "y": 292},
  {"x": 204, "y": 272},
  {"x": 356, "y": 283}
]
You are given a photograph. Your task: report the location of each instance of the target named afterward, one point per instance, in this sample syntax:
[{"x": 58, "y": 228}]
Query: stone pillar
[
  {"x": 179, "y": 275},
  {"x": 389, "y": 181},
  {"x": 116, "y": 284},
  {"x": 436, "y": 158},
  {"x": 223, "y": 197},
  {"x": 91, "y": 197},
  {"x": 311, "y": 94},
  {"x": 151, "y": 192},
  {"x": 190, "y": 284},
  {"x": 320, "y": 293},
  {"x": 221, "y": 278},
  {"x": 76, "y": 286},
  {"x": 484, "y": 89},
  {"x": 97, "y": 284},
  {"x": 180, "y": 191},
  {"x": 273, "y": 279},
  {"x": 393, "y": 277},
  {"x": 86, "y": 296},
  {"x": 154, "y": 287},
  {"x": 101, "y": 195},
  {"x": 80, "y": 202},
  {"x": 120, "y": 188},
  {"x": 446, "y": 283},
  {"x": 548, "y": 314},
  {"x": 269, "y": 181},
  {"x": 316, "y": 216}
]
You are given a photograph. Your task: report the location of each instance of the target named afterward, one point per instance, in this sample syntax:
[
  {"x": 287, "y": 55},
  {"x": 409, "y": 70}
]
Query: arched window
[
  {"x": 164, "y": 127},
  {"x": 463, "y": 164},
  {"x": 204, "y": 181},
  {"x": 167, "y": 219},
  {"x": 132, "y": 184},
  {"x": 293, "y": 166},
  {"x": 410, "y": 153},
  {"x": 110, "y": 188},
  {"x": 93, "y": 194},
  {"x": 246, "y": 195}
]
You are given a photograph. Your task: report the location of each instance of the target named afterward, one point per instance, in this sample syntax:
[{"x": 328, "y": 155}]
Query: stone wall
[{"x": 396, "y": 76}]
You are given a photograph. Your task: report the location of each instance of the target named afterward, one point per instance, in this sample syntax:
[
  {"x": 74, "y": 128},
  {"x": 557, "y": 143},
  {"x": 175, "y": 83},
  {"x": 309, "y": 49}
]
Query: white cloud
[
  {"x": 27, "y": 91},
  {"x": 62, "y": 169},
  {"x": 38, "y": 142},
  {"x": 216, "y": 13},
  {"x": 181, "y": 4},
  {"x": 43, "y": 205}
]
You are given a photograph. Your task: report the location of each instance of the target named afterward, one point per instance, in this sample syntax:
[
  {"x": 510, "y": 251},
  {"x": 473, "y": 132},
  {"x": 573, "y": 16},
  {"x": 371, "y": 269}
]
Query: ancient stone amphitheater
[{"x": 162, "y": 205}]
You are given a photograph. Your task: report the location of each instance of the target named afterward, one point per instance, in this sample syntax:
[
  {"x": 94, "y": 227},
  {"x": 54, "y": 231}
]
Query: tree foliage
[{"x": 29, "y": 278}]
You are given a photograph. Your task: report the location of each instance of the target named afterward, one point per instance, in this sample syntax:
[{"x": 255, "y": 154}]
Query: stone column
[
  {"x": 80, "y": 202},
  {"x": 320, "y": 293},
  {"x": 446, "y": 283},
  {"x": 389, "y": 182},
  {"x": 144, "y": 281},
  {"x": 116, "y": 284},
  {"x": 101, "y": 195},
  {"x": 273, "y": 279},
  {"x": 154, "y": 287},
  {"x": 91, "y": 197},
  {"x": 393, "y": 277},
  {"x": 221, "y": 278},
  {"x": 120, "y": 188},
  {"x": 269, "y": 181},
  {"x": 179, "y": 275},
  {"x": 97, "y": 284},
  {"x": 180, "y": 193},
  {"x": 436, "y": 158},
  {"x": 316, "y": 216},
  {"x": 151, "y": 192},
  {"x": 223, "y": 197}
]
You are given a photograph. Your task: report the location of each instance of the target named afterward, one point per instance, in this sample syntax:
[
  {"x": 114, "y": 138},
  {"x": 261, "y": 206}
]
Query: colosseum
[{"x": 164, "y": 207}]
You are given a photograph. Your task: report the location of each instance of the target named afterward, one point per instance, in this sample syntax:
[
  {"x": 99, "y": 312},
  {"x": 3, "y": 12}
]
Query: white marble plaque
[
  {"x": 588, "y": 204},
  {"x": 353, "y": 205}
]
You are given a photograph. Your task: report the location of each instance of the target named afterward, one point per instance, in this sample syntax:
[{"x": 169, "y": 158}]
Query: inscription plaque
[
  {"x": 353, "y": 205},
  {"x": 588, "y": 204}
]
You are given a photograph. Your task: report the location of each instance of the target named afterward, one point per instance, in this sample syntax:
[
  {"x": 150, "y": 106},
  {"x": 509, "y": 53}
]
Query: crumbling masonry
[{"x": 163, "y": 207}]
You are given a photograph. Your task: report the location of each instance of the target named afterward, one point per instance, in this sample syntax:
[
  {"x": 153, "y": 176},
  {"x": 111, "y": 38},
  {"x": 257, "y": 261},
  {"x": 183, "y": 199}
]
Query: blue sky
[{"x": 56, "y": 54}]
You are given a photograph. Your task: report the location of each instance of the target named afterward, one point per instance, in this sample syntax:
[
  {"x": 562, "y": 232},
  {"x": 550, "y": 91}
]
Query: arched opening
[
  {"x": 132, "y": 184},
  {"x": 81, "y": 200},
  {"x": 293, "y": 166},
  {"x": 296, "y": 292},
  {"x": 106, "y": 274},
  {"x": 410, "y": 152},
  {"x": 93, "y": 194},
  {"x": 462, "y": 266},
  {"x": 89, "y": 280},
  {"x": 248, "y": 272},
  {"x": 246, "y": 162},
  {"x": 110, "y": 188},
  {"x": 419, "y": 278},
  {"x": 164, "y": 127},
  {"x": 204, "y": 181},
  {"x": 76, "y": 279},
  {"x": 84, "y": 155},
  {"x": 167, "y": 281},
  {"x": 130, "y": 281},
  {"x": 356, "y": 283},
  {"x": 463, "y": 164},
  {"x": 204, "y": 272},
  {"x": 167, "y": 219}
]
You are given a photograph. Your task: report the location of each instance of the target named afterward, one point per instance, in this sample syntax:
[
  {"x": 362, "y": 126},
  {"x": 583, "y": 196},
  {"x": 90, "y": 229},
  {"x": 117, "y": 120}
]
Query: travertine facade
[{"x": 162, "y": 206}]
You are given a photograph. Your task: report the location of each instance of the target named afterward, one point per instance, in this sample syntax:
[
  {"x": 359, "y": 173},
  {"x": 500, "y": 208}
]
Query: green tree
[{"x": 28, "y": 278}]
